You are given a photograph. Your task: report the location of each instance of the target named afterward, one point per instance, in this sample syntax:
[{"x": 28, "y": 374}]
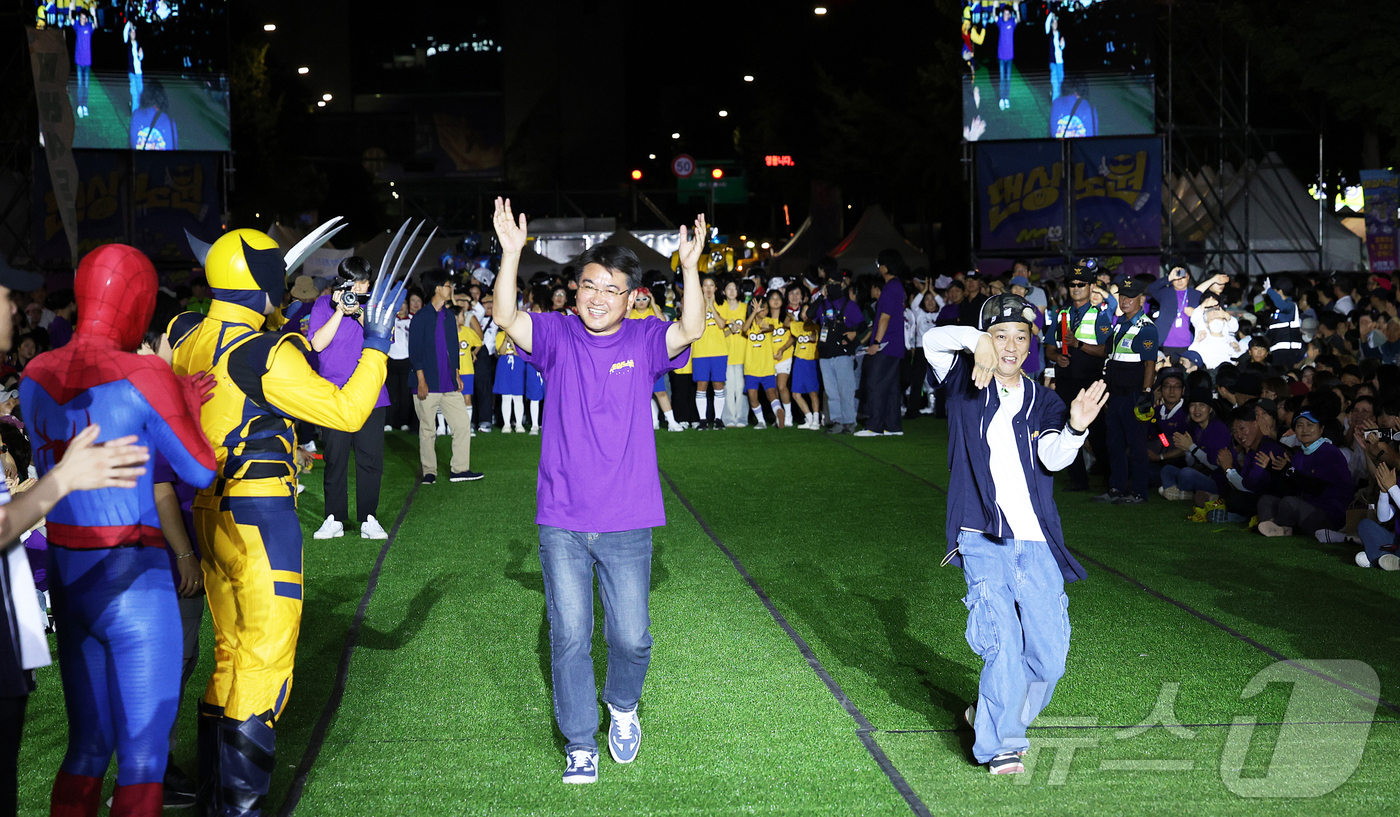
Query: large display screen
[
  {"x": 1056, "y": 69},
  {"x": 145, "y": 74}
]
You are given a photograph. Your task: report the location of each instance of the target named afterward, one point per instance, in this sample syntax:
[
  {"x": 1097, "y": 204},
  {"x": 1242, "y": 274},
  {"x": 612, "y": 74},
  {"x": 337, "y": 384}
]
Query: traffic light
[
  {"x": 717, "y": 173},
  {"x": 636, "y": 175}
]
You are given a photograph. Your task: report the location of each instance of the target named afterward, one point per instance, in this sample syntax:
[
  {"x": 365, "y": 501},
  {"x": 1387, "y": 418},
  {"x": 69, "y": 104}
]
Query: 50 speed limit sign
[{"x": 683, "y": 166}]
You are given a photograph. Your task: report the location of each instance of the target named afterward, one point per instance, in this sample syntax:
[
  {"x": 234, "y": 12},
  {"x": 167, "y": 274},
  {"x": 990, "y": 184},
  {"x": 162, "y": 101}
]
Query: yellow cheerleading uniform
[
  {"x": 246, "y": 521},
  {"x": 728, "y": 313},
  {"x": 805, "y": 335},
  {"x": 468, "y": 341},
  {"x": 758, "y": 348},
  {"x": 712, "y": 342}
]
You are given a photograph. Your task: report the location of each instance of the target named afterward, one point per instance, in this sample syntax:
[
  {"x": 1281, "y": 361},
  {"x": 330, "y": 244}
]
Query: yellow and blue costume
[{"x": 246, "y": 521}]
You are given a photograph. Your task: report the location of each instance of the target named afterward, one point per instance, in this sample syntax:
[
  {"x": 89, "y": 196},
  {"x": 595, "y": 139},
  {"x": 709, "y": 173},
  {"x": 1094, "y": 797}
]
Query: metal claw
[
  {"x": 393, "y": 247},
  {"x": 316, "y": 239},
  {"x": 406, "y": 245}
]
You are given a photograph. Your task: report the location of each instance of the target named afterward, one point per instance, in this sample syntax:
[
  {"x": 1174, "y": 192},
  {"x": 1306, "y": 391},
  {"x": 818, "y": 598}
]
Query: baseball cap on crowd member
[
  {"x": 943, "y": 282},
  {"x": 1020, "y": 281},
  {"x": 1131, "y": 288},
  {"x": 1080, "y": 275},
  {"x": 1163, "y": 375},
  {"x": 776, "y": 283},
  {"x": 1201, "y": 396},
  {"x": 1006, "y": 308},
  {"x": 18, "y": 280}
]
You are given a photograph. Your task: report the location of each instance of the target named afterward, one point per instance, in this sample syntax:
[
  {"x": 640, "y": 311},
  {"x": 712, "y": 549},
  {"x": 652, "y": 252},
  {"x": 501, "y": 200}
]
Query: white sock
[
  {"x": 469, "y": 419},
  {"x": 700, "y": 405},
  {"x": 670, "y": 418},
  {"x": 535, "y": 413},
  {"x": 777, "y": 411},
  {"x": 517, "y": 402},
  {"x": 719, "y": 402},
  {"x": 787, "y": 414},
  {"x": 655, "y": 411}
]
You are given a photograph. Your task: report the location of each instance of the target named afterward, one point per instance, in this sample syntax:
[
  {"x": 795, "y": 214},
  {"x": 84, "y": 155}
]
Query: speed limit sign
[{"x": 683, "y": 166}]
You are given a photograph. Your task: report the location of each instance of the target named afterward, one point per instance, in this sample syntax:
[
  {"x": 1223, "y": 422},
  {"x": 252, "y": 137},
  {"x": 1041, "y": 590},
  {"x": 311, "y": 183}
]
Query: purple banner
[
  {"x": 1020, "y": 194},
  {"x": 1379, "y": 196},
  {"x": 1117, "y": 194}
]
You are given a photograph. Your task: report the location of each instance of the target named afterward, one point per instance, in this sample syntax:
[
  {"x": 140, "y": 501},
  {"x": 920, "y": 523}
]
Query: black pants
[
  {"x": 11, "y": 727},
  {"x": 1127, "y": 445},
  {"x": 1067, "y": 387},
  {"x": 483, "y": 394},
  {"x": 683, "y": 398},
  {"x": 401, "y": 383},
  {"x": 368, "y": 445},
  {"x": 883, "y": 406}
]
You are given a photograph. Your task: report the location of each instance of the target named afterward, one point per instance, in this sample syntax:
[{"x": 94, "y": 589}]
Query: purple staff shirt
[
  {"x": 340, "y": 358},
  {"x": 891, "y": 303},
  {"x": 598, "y": 471}
]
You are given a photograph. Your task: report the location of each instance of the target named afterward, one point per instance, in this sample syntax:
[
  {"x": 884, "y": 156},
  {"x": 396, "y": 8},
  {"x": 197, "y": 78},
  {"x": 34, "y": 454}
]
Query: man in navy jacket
[{"x": 1003, "y": 526}]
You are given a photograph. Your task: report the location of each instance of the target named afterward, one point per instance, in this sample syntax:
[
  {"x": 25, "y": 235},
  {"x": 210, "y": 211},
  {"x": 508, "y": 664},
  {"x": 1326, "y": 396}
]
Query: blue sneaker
[
  {"x": 624, "y": 735},
  {"x": 582, "y": 766}
]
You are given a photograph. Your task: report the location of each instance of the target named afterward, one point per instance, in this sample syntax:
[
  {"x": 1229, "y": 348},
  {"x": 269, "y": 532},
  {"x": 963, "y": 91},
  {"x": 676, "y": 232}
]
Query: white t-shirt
[
  {"x": 1013, "y": 494},
  {"x": 398, "y": 339}
]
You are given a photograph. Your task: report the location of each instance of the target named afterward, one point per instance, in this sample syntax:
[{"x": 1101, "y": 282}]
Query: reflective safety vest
[
  {"x": 1285, "y": 335},
  {"x": 1122, "y": 351},
  {"x": 1084, "y": 330}
]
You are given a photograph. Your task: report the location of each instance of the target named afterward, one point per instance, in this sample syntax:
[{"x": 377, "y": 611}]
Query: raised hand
[
  {"x": 693, "y": 245},
  {"x": 984, "y": 359},
  {"x": 1261, "y": 459},
  {"x": 1225, "y": 459},
  {"x": 1182, "y": 441},
  {"x": 510, "y": 231},
  {"x": 1087, "y": 404},
  {"x": 1385, "y": 476}
]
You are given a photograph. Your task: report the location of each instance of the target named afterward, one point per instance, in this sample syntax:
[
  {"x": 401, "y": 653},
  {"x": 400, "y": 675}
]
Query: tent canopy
[
  {"x": 651, "y": 259},
  {"x": 873, "y": 233}
]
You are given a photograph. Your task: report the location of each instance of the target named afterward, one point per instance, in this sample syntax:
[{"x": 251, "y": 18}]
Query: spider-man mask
[{"x": 116, "y": 291}]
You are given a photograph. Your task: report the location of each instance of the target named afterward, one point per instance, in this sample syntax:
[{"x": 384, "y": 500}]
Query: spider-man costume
[{"x": 119, "y": 638}]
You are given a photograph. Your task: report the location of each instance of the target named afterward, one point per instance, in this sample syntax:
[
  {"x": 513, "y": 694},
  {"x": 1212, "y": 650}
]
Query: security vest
[
  {"x": 1082, "y": 366},
  {"x": 1283, "y": 334},
  {"x": 263, "y": 383},
  {"x": 1125, "y": 366}
]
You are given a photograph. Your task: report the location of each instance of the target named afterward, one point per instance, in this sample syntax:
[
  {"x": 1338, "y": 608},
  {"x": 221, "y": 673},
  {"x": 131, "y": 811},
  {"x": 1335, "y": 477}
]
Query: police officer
[
  {"x": 1285, "y": 332},
  {"x": 1132, "y": 366},
  {"x": 1076, "y": 342}
]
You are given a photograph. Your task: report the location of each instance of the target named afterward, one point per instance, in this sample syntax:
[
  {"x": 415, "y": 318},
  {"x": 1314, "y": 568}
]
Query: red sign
[
  {"x": 683, "y": 166},
  {"x": 774, "y": 160}
]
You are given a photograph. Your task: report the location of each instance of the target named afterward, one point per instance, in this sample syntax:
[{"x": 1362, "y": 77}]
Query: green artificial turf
[{"x": 447, "y": 709}]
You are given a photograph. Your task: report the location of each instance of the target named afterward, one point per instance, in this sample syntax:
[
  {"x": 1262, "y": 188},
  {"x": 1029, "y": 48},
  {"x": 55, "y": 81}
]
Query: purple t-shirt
[
  {"x": 339, "y": 359},
  {"x": 82, "y": 47},
  {"x": 1006, "y": 42},
  {"x": 598, "y": 470},
  {"x": 60, "y": 332},
  {"x": 1180, "y": 333},
  {"x": 891, "y": 303}
]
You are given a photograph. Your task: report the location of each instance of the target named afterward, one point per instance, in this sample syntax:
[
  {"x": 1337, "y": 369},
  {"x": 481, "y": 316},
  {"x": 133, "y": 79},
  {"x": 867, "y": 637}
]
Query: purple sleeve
[
  {"x": 853, "y": 316},
  {"x": 321, "y": 312},
  {"x": 543, "y": 329},
  {"x": 655, "y": 339},
  {"x": 161, "y": 470}
]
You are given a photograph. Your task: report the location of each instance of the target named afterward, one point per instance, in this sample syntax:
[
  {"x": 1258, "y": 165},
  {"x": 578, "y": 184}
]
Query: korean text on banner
[{"x": 1380, "y": 191}]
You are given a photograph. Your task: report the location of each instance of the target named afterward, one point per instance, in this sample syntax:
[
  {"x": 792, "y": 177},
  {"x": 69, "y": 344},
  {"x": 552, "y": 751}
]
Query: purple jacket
[{"x": 1322, "y": 479}]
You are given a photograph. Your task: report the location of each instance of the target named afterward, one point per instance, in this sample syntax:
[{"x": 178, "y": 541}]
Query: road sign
[{"x": 683, "y": 166}]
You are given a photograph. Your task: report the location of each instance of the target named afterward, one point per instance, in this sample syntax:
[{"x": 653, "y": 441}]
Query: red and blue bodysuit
[{"x": 119, "y": 632}]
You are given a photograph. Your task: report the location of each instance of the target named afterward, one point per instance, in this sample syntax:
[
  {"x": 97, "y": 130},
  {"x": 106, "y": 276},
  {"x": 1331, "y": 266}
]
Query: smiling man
[
  {"x": 598, "y": 494},
  {"x": 1003, "y": 527}
]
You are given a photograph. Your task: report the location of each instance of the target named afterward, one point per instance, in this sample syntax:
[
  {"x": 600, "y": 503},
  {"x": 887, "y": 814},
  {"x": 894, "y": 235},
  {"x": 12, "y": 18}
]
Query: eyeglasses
[
  {"x": 1077, "y": 286},
  {"x": 609, "y": 290}
]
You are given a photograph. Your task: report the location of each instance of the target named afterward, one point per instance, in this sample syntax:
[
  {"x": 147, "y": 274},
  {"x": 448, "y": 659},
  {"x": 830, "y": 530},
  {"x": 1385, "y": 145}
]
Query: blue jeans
[
  {"x": 1057, "y": 78},
  {"x": 1375, "y": 538},
  {"x": 136, "y": 83},
  {"x": 1187, "y": 479},
  {"x": 623, "y": 561},
  {"x": 1005, "y": 70},
  {"x": 839, "y": 382},
  {"x": 1018, "y": 622}
]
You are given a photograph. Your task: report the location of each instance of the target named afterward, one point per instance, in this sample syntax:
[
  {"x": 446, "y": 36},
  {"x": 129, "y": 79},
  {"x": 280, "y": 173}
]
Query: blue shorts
[
  {"x": 660, "y": 385},
  {"x": 534, "y": 384},
  {"x": 804, "y": 376},
  {"x": 767, "y": 381},
  {"x": 468, "y": 381},
  {"x": 710, "y": 369}
]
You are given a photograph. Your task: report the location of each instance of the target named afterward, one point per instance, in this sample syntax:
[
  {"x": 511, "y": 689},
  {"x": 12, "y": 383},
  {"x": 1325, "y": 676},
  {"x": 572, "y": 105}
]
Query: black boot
[
  {"x": 207, "y": 800},
  {"x": 246, "y": 753}
]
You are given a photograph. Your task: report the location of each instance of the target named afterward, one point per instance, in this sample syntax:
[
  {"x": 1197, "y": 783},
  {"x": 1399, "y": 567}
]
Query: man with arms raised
[
  {"x": 1003, "y": 526},
  {"x": 599, "y": 495}
]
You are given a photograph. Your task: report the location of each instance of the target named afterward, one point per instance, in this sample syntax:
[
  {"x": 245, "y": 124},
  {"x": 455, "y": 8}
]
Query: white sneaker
[
  {"x": 534, "y": 431},
  {"x": 484, "y": 428},
  {"x": 441, "y": 427},
  {"x": 655, "y": 424},
  {"x": 675, "y": 427},
  {"x": 1389, "y": 561},
  {"x": 505, "y": 429},
  {"x": 760, "y": 424},
  {"x": 581, "y": 766},
  {"x": 519, "y": 429},
  {"x": 371, "y": 529},
  {"x": 310, "y": 446},
  {"x": 388, "y": 428},
  {"x": 330, "y": 529},
  {"x": 624, "y": 735}
]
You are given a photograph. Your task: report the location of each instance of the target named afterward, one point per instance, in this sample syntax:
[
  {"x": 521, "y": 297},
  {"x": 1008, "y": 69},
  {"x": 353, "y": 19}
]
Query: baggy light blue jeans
[
  {"x": 623, "y": 562},
  {"x": 839, "y": 381},
  {"x": 1018, "y": 622}
]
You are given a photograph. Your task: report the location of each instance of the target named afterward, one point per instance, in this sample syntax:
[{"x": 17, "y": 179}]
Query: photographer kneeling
[{"x": 338, "y": 338}]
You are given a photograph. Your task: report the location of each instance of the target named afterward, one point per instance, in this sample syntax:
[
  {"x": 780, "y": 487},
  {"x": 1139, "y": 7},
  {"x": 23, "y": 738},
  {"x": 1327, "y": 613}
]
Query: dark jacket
[{"x": 1164, "y": 295}]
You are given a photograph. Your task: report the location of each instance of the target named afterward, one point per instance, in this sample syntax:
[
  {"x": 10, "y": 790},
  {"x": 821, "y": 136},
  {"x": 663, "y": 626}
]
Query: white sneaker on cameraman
[
  {"x": 330, "y": 529},
  {"x": 371, "y": 529}
]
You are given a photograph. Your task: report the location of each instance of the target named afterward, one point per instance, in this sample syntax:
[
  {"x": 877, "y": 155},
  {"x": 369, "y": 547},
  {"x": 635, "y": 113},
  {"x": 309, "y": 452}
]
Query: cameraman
[
  {"x": 839, "y": 320},
  {"x": 337, "y": 336}
]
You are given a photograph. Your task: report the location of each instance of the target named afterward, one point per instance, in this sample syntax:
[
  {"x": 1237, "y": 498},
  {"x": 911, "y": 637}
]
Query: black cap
[
  {"x": 1249, "y": 383},
  {"x": 1164, "y": 374},
  {"x": 1006, "y": 308},
  {"x": 1079, "y": 275},
  {"x": 1131, "y": 288},
  {"x": 18, "y": 280},
  {"x": 1201, "y": 396}
]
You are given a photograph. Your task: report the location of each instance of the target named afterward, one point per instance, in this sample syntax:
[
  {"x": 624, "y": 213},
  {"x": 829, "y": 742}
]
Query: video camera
[{"x": 349, "y": 271}]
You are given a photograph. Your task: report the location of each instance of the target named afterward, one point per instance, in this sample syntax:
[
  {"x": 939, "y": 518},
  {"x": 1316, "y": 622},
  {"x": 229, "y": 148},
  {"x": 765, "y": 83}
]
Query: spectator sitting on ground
[
  {"x": 1200, "y": 449},
  {"x": 1312, "y": 485}
]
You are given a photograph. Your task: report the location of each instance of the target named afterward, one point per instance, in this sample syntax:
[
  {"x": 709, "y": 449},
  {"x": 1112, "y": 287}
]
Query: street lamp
[
  {"x": 269, "y": 27},
  {"x": 303, "y": 70},
  {"x": 724, "y": 113},
  {"x": 675, "y": 136},
  {"x": 819, "y": 10},
  {"x": 748, "y": 78},
  {"x": 326, "y": 97}
]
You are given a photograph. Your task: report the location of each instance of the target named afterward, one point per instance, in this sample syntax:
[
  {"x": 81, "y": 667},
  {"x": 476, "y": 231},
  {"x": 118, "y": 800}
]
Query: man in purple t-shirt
[
  {"x": 338, "y": 338},
  {"x": 883, "y": 407},
  {"x": 82, "y": 56},
  {"x": 1006, "y": 50},
  {"x": 598, "y": 492}
]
